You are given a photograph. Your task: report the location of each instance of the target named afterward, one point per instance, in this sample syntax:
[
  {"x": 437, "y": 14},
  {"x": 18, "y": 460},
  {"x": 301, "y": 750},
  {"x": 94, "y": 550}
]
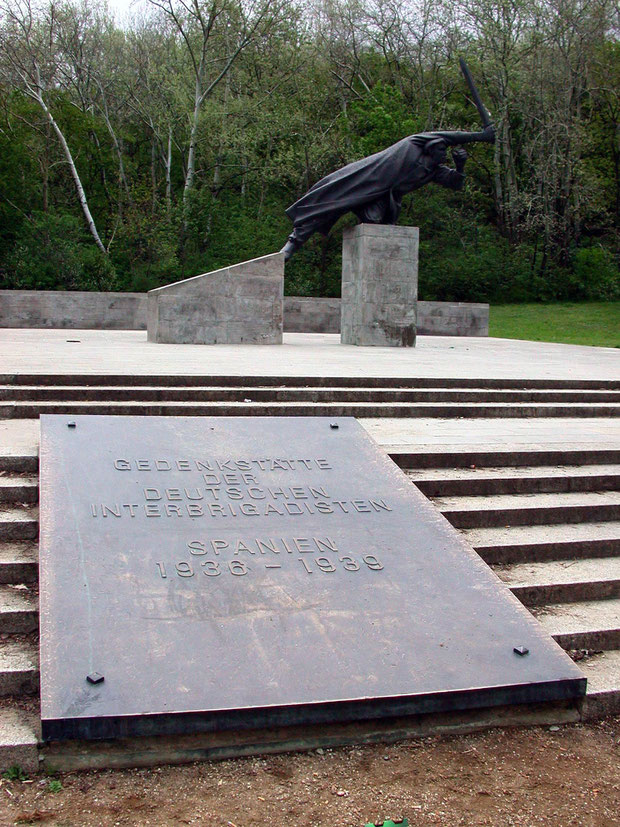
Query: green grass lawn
[{"x": 586, "y": 323}]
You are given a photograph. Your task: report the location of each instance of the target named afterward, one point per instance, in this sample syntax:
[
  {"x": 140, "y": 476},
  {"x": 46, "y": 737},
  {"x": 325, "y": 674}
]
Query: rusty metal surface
[{"x": 207, "y": 573}]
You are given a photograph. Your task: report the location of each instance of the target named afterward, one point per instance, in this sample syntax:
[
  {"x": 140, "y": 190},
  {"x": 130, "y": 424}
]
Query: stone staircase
[
  {"x": 27, "y": 396},
  {"x": 552, "y": 534},
  {"x": 546, "y": 521}
]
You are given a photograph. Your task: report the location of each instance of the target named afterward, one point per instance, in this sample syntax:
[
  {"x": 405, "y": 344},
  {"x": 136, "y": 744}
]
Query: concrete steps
[
  {"x": 603, "y": 673},
  {"x": 19, "y": 609},
  {"x": 519, "y": 544},
  {"x": 547, "y": 520},
  {"x": 590, "y": 624},
  {"x": 511, "y": 458},
  {"x": 558, "y": 581},
  {"x": 15, "y": 488},
  {"x": 133, "y": 393},
  {"x": 25, "y": 397},
  {"x": 499, "y": 410},
  {"x": 549, "y": 525},
  {"x": 252, "y": 381},
  {"x": 19, "y": 562},
  {"x": 19, "y": 667},
  {"x": 19, "y": 523},
  {"x": 19, "y": 736},
  {"x": 530, "y": 509},
  {"x": 446, "y": 482}
]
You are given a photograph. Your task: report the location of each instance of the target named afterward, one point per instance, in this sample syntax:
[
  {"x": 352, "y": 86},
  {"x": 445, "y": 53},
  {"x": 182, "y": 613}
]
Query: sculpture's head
[{"x": 436, "y": 150}]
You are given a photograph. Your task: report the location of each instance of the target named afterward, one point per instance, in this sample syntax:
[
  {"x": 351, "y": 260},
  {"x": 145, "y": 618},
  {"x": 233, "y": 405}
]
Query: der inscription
[{"x": 248, "y": 572}]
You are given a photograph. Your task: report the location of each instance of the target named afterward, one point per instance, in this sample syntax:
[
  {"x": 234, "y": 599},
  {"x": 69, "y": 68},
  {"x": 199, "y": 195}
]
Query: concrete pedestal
[
  {"x": 379, "y": 285},
  {"x": 236, "y": 305}
]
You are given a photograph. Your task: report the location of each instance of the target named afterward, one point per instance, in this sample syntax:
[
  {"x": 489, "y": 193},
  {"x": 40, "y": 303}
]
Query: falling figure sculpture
[{"x": 373, "y": 188}]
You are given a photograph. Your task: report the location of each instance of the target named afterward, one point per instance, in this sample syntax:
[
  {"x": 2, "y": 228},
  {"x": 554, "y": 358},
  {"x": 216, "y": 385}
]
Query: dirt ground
[{"x": 548, "y": 775}]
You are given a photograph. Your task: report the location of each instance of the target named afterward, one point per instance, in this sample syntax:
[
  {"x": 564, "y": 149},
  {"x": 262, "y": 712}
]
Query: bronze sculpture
[{"x": 373, "y": 187}]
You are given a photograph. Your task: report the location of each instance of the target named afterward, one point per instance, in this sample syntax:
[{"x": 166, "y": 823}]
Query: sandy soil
[{"x": 551, "y": 776}]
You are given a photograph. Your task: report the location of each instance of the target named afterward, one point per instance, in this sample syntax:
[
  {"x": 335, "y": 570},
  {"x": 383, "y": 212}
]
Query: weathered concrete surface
[
  {"x": 127, "y": 311},
  {"x": 379, "y": 285},
  {"x": 19, "y": 736},
  {"x": 311, "y": 315},
  {"x": 72, "y": 309},
  {"x": 236, "y": 305},
  {"x": 302, "y": 354},
  {"x": 452, "y": 319}
]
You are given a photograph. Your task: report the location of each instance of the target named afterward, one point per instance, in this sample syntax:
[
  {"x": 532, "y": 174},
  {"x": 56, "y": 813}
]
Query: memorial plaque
[{"x": 200, "y": 574}]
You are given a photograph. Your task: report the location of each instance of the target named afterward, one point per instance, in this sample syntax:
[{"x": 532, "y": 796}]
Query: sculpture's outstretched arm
[{"x": 454, "y": 138}]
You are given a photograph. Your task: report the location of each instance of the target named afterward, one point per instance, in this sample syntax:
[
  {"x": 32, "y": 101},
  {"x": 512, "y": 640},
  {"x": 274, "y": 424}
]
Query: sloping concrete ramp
[
  {"x": 204, "y": 575},
  {"x": 241, "y": 304}
]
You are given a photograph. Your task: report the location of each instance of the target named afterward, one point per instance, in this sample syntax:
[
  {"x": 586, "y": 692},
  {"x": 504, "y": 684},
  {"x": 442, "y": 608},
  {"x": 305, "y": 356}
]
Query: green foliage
[
  {"x": 52, "y": 252},
  {"x": 15, "y": 773},
  {"x": 379, "y": 119},
  {"x": 595, "y": 274},
  {"x": 54, "y": 786},
  {"x": 144, "y": 250}
]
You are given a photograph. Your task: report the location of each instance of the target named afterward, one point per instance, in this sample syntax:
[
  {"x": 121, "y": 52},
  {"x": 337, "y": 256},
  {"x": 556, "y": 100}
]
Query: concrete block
[
  {"x": 380, "y": 285},
  {"x": 242, "y": 304},
  {"x": 18, "y": 740}
]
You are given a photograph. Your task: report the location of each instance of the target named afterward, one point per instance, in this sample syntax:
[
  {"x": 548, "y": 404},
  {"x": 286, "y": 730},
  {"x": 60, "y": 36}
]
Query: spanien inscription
[{"x": 225, "y": 572}]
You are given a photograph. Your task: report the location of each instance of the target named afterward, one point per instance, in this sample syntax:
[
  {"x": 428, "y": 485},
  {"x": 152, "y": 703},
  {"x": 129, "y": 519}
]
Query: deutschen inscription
[{"x": 247, "y": 572}]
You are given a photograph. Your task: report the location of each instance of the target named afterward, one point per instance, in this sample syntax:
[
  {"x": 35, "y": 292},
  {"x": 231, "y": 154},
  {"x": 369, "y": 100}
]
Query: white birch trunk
[
  {"x": 168, "y": 172},
  {"x": 191, "y": 153},
  {"x": 76, "y": 177}
]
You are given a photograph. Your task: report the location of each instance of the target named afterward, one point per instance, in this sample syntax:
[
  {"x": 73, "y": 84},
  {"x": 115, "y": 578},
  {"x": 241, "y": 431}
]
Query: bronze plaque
[{"x": 202, "y": 573}]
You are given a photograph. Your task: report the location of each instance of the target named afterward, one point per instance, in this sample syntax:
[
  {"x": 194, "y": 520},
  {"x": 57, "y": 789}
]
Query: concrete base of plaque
[
  {"x": 241, "y": 304},
  {"x": 379, "y": 285}
]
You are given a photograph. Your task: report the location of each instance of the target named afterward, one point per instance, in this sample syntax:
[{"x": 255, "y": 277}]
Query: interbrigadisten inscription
[{"x": 240, "y": 508}]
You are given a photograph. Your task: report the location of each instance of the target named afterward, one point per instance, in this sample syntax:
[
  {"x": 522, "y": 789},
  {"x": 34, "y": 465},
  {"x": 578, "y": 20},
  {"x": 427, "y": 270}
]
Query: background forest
[{"x": 136, "y": 155}]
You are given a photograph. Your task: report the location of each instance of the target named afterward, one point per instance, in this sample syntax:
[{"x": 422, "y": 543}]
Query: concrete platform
[{"x": 302, "y": 354}]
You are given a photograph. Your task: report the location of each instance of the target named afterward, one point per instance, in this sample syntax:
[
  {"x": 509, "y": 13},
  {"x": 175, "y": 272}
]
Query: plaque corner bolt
[
  {"x": 70, "y": 424},
  {"x": 334, "y": 426},
  {"x": 95, "y": 678},
  {"x": 521, "y": 650}
]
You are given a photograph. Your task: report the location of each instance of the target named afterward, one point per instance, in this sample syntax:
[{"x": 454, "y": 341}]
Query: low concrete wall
[
  {"x": 452, "y": 319},
  {"x": 68, "y": 309},
  {"x": 310, "y": 315},
  {"x": 127, "y": 311}
]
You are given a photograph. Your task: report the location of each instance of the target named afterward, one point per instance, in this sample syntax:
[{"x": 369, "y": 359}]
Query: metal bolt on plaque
[
  {"x": 521, "y": 650},
  {"x": 95, "y": 677}
]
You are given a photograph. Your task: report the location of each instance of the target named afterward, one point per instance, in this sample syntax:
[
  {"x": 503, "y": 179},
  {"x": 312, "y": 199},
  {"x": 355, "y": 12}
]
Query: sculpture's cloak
[{"x": 394, "y": 171}]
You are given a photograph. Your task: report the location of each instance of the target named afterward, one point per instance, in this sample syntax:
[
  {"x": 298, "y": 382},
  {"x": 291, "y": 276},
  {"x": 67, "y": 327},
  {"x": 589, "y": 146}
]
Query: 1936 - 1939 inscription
[{"x": 245, "y": 572}]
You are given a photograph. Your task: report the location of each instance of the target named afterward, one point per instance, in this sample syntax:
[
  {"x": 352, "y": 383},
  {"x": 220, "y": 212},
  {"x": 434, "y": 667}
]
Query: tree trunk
[
  {"x": 191, "y": 152},
  {"x": 168, "y": 172},
  {"x": 76, "y": 177}
]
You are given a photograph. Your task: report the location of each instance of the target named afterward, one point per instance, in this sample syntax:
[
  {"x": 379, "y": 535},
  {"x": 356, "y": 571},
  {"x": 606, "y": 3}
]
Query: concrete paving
[
  {"x": 21, "y": 436},
  {"x": 302, "y": 354}
]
